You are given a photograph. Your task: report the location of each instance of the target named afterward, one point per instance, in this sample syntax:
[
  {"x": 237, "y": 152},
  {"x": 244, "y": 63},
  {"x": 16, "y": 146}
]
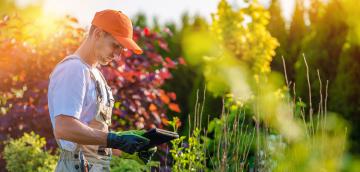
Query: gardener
[{"x": 81, "y": 102}]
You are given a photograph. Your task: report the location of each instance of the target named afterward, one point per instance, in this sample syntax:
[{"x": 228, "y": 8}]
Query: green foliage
[
  {"x": 277, "y": 28},
  {"x": 233, "y": 47},
  {"x": 322, "y": 150},
  {"x": 327, "y": 33},
  {"x": 322, "y": 46},
  {"x": 27, "y": 154},
  {"x": 346, "y": 84},
  {"x": 331, "y": 46},
  {"x": 233, "y": 55},
  {"x": 249, "y": 42},
  {"x": 297, "y": 28},
  {"x": 187, "y": 155},
  {"x": 345, "y": 87},
  {"x": 129, "y": 162},
  {"x": 190, "y": 157},
  {"x": 232, "y": 140}
]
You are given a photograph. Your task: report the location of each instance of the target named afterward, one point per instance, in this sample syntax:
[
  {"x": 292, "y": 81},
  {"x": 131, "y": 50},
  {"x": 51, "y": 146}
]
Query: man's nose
[
  {"x": 117, "y": 53},
  {"x": 118, "y": 50},
  {"x": 116, "y": 56}
]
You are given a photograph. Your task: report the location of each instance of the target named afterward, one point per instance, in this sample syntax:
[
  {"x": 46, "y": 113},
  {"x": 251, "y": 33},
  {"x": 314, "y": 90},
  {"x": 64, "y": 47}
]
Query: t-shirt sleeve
[{"x": 69, "y": 89}]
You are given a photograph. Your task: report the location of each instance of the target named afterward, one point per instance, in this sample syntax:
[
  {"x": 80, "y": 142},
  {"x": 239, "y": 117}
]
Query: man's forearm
[{"x": 71, "y": 129}]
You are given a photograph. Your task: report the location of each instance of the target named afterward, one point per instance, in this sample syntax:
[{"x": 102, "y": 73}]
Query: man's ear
[{"x": 98, "y": 33}]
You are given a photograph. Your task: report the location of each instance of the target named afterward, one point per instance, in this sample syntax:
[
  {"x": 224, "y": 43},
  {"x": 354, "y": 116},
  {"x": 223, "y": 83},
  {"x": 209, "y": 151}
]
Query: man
[{"x": 81, "y": 102}]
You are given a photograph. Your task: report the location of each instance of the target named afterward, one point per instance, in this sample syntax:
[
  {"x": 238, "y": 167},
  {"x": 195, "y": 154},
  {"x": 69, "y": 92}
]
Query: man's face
[{"x": 106, "y": 48}]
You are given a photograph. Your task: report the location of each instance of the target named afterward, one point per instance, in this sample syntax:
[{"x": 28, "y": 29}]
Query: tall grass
[{"x": 242, "y": 140}]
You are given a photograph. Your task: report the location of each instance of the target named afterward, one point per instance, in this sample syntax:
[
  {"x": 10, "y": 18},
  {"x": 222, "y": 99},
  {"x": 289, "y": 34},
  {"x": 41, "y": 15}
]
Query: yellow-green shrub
[{"x": 27, "y": 154}]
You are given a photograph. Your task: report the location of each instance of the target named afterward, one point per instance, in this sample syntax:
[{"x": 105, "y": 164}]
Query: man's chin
[{"x": 104, "y": 61}]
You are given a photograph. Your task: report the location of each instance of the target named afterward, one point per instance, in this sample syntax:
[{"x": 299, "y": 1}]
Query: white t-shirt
[{"x": 72, "y": 92}]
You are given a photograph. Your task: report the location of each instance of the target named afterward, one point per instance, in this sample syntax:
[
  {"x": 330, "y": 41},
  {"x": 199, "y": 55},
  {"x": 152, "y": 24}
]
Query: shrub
[
  {"x": 26, "y": 63},
  {"x": 130, "y": 163},
  {"x": 27, "y": 154}
]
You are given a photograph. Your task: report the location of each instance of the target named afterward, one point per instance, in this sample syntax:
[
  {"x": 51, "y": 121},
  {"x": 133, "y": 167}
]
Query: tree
[
  {"x": 297, "y": 32},
  {"x": 322, "y": 47},
  {"x": 346, "y": 83},
  {"x": 277, "y": 28}
]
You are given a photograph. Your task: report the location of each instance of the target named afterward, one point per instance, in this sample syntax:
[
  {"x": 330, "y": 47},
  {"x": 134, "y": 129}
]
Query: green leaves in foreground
[{"x": 27, "y": 154}]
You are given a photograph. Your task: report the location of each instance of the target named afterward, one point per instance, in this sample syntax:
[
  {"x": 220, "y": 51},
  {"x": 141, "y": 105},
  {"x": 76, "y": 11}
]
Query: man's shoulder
[
  {"x": 70, "y": 66},
  {"x": 73, "y": 62}
]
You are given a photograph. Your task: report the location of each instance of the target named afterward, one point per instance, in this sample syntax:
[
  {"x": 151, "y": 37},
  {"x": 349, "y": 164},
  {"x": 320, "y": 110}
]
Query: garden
[{"x": 247, "y": 90}]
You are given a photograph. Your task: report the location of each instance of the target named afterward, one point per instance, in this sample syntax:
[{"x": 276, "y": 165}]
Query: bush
[
  {"x": 188, "y": 155},
  {"x": 130, "y": 163},
  {"x": 29, "y": 52},
  {"x": 27, "y": 154}
]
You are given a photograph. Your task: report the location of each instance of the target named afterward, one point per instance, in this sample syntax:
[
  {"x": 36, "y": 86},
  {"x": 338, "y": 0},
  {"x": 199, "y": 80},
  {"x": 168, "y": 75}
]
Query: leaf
[
  {"x": 164, "y": 98},
  {"x": 117, "y": 105},
  {"x": 163, "y": 45},
  {"x": 174, "y": 107},
  {"x": 172, "y": 95},
  {"x": 169, "y": 63},
  {"x": 165, "y": 121},
  {"x": 181, "y": 61},
  {"x": 72, "y": 19},
  {"x": 164, "y": 74},
  {"x": 152, "y": 107}
]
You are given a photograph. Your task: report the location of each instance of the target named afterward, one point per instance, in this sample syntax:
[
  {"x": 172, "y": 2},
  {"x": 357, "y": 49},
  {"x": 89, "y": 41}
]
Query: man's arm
[{"x": 71, "y": 129}]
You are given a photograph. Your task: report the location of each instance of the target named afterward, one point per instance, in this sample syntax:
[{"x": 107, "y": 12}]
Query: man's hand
[
  {"x": 146, "y": 155},
  {"x": 142, "y": 157},
  {"x": 127, "y": 141}
]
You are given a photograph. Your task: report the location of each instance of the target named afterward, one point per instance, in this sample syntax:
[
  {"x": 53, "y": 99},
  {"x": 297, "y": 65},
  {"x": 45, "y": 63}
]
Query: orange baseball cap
[{"x": 119, "y": 26}]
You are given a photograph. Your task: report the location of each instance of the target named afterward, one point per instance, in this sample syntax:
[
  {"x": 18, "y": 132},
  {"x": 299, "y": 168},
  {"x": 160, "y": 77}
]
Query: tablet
[{"x": 159, "y": 136}]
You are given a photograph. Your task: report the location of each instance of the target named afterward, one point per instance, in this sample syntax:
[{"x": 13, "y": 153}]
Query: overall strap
[
  {"x": 97, "y": 86},
  {"x": 107, "y": 87},
  {"x": 97, "y": 82}
]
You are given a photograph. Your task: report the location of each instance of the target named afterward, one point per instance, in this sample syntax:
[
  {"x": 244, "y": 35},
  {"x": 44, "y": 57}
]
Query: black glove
[
  {"x": 146, "y": 155},
  {"x": 127, "y": 141}
]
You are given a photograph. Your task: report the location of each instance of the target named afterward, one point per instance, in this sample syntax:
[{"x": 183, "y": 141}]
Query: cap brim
[{"x": 129, "y": 44}]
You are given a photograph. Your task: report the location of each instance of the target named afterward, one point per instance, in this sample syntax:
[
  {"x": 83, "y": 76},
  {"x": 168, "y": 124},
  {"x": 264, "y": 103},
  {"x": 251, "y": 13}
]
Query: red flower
[
  {"x": 182, "y": 61},
  {"x": 146, "y": 31}
]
